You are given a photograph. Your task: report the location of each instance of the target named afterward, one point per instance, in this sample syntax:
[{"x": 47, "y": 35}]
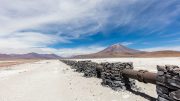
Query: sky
[{"x": 73, "y": 27}]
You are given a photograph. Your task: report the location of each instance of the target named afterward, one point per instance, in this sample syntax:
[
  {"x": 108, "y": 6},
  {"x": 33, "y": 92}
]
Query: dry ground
[{"x": 52, "y": 80}]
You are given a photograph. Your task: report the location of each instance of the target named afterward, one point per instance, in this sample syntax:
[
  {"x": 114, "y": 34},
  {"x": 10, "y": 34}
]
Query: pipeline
[
  {"x": 141, "y": 75},
  {"x": 121, "y": 76}
]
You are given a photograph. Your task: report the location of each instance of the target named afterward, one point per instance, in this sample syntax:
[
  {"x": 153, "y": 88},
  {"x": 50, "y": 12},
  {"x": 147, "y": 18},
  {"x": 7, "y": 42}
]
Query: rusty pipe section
[{"x": 141, "y": 75}]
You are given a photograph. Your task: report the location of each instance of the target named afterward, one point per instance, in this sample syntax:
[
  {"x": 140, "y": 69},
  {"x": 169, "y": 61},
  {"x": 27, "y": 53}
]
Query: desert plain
[{"x": 52, "y": 80}]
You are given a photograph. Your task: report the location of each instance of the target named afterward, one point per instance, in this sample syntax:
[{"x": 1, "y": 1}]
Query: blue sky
[{"x": 71, "y": 27}]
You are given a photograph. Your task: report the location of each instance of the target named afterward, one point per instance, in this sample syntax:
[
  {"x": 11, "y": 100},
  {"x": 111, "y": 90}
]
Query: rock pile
[
  {"x": 112, "y": 76},
  {"x": 168, "y": 83}
]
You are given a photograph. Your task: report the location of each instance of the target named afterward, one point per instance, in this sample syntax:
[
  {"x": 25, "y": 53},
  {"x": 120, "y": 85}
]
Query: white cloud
[
  {"x": 28, "y": 40},
  {"x": 19, "y": 15},
  {"x": 65, "y": 52},
  {"x": 175, "y": 48},
  {"x": 33, "y": 25},
  {"x": 127, "y": 43},
  {"x": 23, "y": 14},
  {"x": 79, "y": 50}
]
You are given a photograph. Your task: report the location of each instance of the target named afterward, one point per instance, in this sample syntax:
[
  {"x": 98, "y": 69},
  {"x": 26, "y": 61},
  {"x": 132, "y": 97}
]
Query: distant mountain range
[
  {"x": 29, "y": 56},
  {"x": 118, "y": 50}
]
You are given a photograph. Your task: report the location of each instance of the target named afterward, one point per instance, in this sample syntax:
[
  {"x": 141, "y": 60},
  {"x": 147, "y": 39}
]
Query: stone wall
[
  {"x": 168, "y": 83},
  {"x": 112, "y": 76},
  {"x": 110, "y": 73},
  {"x": 167, "y": 79},
  {"x": 87, "y": 67}
]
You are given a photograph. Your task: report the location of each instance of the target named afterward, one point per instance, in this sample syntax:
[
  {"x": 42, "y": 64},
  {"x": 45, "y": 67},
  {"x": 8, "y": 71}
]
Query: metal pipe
[{"x": 141, "y": 75}]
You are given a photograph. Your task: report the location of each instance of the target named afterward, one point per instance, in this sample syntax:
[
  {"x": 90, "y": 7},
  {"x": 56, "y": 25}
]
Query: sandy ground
[{"x": 52, "y": 80}]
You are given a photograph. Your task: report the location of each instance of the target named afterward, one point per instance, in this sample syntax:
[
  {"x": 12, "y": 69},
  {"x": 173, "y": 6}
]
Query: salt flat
[
  {"x": 52, "y": 80},
  {"x": 142, "y": 63}
]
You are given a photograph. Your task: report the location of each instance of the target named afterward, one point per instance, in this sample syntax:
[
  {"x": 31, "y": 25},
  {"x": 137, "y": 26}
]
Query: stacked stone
[
  {"x": 168, "y": 83},
  {"x": 86, "y": 67},
  {"x": 81, "y": 66},
  {"x": 71, "y": 63},
  {"x": 90, "y": 69},
  {"x": 112, "y": 76}
]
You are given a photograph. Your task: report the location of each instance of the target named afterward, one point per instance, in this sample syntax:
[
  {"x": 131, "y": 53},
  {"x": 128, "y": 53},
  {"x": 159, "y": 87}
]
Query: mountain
[
  {"x": 4, "y": 56},
  {"x": 165, "y": 53},
  {"x": 118, "y": 50},
  {"x": 29, "y": 56}
]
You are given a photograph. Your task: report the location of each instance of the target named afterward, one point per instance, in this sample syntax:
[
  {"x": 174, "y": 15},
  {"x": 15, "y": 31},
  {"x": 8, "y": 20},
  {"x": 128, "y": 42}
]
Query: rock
[
  {"x": 168, "y": 83},
  {"x": 175, "y": 95},
  {"x": 111, "y": 76}
]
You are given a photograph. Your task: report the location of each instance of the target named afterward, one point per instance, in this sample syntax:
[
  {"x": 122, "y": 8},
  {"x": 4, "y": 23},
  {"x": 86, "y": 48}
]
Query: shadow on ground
[{"x": 150, "y": 98}]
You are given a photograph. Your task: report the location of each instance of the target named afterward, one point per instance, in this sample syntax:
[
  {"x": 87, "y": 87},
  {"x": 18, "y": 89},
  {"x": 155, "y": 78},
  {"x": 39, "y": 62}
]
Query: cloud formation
[
  {"x": 37, "y": 24},
  {"x": 79, "y": 50}
]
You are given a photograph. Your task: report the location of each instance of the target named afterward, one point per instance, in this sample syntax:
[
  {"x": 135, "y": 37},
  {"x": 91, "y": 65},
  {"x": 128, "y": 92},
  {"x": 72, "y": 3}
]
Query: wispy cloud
[
  {"x": 39, "y": 23},
  {"x": 126, "y": 43},
  {"x": 79, "y": 50},
  {"x": 65, "y": 52},
  {"x": 28, "y": 40},
  {"x": 74, "y": 18}
]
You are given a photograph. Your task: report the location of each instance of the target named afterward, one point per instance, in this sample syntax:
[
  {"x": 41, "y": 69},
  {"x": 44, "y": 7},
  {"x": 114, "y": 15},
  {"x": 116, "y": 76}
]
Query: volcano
[{"x": 118, "y": 50}]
